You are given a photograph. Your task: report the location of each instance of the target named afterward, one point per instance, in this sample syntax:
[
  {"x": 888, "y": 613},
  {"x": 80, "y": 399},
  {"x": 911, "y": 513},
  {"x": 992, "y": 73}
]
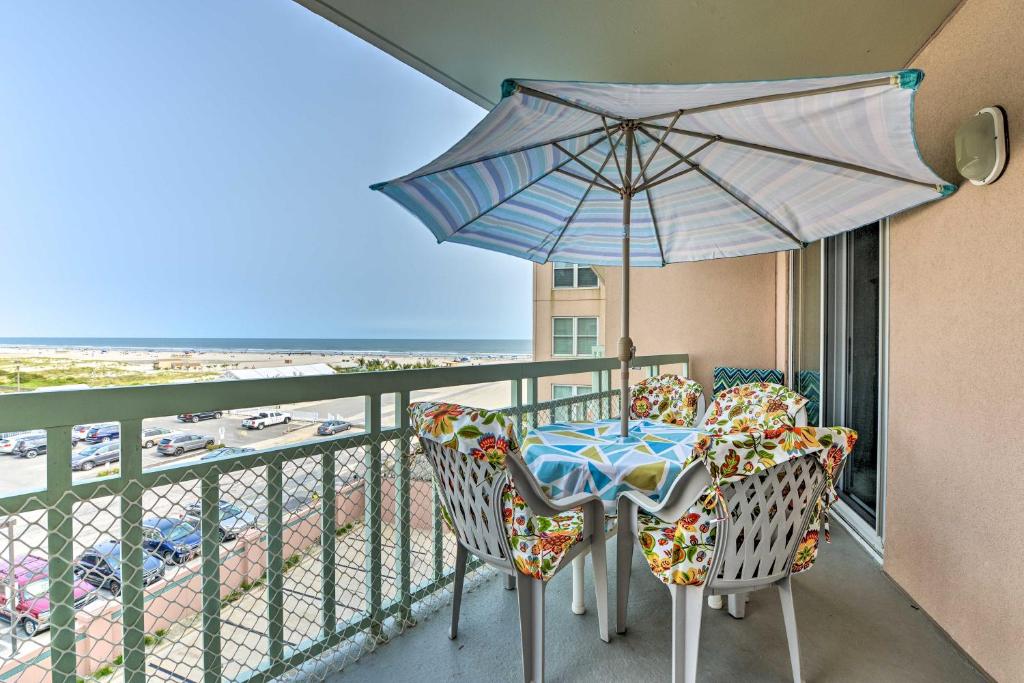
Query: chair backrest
[
  {"x": 667, "y": 398},
  {"x": 471, "y": 491},
  {"x": 466, "y": 449},
  {"x": 760, "y": 405},
  {"x": 769, "y": 513}
]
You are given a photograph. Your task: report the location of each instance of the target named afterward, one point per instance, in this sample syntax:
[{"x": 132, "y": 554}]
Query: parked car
[
  {"x": 175, "y": 540},
  {"x": 329, "y": 427},
  {"x": 266, "y": 419},
  {"x": 227, "y": 452},
  {"x": 30, "y": 447},
  {"x": 97, "y": 454},
  {"x": 196, "y": 417},
  {"x": 100, "y": 566},
  {"x": 103, "y": 433},
  {"x": 182, "y": 443},
  {"x": 31, "y": 604},
  {"x": 233, "y": 519},
  {"x": 151, "y": 435},
  {"x": 79, "y": 432},
  {"x": 8, "y": 443}
]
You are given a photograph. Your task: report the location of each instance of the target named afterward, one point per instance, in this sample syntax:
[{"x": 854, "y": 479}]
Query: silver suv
[{"x": 180, "y": 443}]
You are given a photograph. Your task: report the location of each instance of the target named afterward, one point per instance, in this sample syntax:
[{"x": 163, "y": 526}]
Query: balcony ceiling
[{"x": 472, "y": 45}]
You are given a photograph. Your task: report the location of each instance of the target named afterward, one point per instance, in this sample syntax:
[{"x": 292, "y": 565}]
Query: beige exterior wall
[
  {"x": 720, "y": 312},
  {"x": 955, "y": 497}
]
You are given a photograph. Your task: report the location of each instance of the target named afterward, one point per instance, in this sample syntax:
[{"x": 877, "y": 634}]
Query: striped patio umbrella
[{"x": 649, "y": 174}]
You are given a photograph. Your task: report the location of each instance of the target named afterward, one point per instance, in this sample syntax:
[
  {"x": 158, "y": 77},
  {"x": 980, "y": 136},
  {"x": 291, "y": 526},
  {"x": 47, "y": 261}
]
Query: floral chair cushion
[
  {"x": 759, "y": 405},
  {"x": 538, "y": 543},
  {"x": 666, "y": 398},
  {"x": 681, "y": 552}
]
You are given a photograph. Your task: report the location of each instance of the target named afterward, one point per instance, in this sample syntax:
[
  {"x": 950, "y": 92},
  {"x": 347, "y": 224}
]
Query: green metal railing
[{"x": 316, "y": 478}]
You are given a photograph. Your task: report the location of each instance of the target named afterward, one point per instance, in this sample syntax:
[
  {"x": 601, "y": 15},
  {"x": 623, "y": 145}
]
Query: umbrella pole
[{"x": 626, "y": 348}]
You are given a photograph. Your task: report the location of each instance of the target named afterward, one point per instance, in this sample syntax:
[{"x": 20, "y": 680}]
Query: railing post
[
  {"x": 607, "y": 387},
  {"x": 374, "y": 523},
  {"x": 531, "y": 398},
  {"x": 210, "y": 530},
  {"x": 404, "y": 517},
  {"x": 328, "y": 545},
  {"x": 517, "y": 401},
  {"x": 275, "y": 560},
  {"x": 60, "y": 530},
  {"x": 438, "y": 534},
  {"x": 133, "y": 596}
]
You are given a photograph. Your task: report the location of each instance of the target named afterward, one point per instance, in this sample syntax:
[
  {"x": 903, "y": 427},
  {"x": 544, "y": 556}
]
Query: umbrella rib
[
  {"x": 653, "y": 180},
  {"x": 564, "y": 102},
  {"x": 799, "y": 155},
  {"x": 518, "y": 150},
  {"x": 762, "y": 215},
  {"x": 650, "y": 207},
  {"x": 597, "y": 174},
  {"x": 523, "y": 188},
  {"x": 589, "y": 180},
  {"x": 661, "y": 141},
  {"x": 615, "y": 155},
  {"x": 874, "y": 82},
  {"x": 583, "y": 198}
]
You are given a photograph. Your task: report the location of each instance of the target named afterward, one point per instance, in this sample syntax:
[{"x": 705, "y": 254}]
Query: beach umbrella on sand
[{"x": 650, "y": 174}]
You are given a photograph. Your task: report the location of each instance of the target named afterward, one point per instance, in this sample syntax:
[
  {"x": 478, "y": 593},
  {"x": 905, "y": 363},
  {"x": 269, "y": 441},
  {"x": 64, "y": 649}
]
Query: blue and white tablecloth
[{"x": 590, "y": 457}]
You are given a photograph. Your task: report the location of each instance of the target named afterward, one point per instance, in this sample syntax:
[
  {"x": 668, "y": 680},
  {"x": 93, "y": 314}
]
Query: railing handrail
[{"x": 83, "y": 406}]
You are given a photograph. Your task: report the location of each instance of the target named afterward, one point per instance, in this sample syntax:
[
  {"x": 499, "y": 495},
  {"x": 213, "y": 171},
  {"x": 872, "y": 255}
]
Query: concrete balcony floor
[{"x": 854, "y": 624}]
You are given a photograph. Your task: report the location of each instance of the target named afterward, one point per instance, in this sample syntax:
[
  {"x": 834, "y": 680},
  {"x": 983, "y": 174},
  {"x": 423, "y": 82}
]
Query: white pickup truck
[{"x": 265, "y": 419}]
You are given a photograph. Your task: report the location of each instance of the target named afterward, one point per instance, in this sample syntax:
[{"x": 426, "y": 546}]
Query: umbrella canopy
[{"x": 650, "y": 174}]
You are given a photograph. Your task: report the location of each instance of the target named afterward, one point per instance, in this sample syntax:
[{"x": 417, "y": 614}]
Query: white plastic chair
[
  {"x": 471, "y": 493},
  {"x": 769, "y": 513}
]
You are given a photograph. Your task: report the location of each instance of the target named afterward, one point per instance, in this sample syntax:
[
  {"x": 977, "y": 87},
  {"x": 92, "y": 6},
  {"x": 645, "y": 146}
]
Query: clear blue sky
[{"x": 201, "y": 169}]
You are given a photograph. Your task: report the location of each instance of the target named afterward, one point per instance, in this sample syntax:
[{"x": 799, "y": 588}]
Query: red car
[{"x": 32, "y": 607}]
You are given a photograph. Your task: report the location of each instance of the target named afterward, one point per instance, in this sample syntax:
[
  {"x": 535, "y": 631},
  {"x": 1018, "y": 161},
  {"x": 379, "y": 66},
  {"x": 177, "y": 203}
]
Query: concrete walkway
[{"x": 854, "y": 624}]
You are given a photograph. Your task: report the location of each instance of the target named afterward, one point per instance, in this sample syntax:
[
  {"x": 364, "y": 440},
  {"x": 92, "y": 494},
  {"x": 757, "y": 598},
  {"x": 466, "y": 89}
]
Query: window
[
  {"x": 574, "y": 276},
  {"x": 574, "y": 411},
  {"x": 573, "y": 336}
]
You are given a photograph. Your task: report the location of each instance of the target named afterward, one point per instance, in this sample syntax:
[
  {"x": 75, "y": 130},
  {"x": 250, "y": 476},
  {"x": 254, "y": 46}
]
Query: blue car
[
  {"x": 103, "y": 433},
  {"x": 175, "y": 540},
  {"x": 100, "y": 565}
]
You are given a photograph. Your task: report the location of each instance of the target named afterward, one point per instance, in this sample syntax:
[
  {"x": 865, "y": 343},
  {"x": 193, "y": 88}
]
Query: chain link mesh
[{"x": 314, "y": 555}]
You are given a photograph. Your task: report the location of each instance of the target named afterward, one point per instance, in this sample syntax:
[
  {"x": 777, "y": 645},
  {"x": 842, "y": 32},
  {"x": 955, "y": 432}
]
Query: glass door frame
[{"x": 834, "y": 393}]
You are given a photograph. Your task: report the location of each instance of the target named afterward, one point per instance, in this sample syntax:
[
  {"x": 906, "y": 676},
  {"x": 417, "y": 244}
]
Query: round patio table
[{"x": 591, "y": 457}]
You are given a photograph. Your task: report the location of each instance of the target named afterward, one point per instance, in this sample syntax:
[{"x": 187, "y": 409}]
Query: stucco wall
[{"x": 955, "y": 500}]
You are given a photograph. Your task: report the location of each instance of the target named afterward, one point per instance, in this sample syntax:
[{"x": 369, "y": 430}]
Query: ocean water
[{"x": 412, "y": 347}]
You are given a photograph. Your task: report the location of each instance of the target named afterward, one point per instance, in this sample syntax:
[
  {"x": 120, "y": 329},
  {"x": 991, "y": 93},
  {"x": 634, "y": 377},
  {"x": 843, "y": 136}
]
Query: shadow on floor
[{"x": 854, "y": 625}]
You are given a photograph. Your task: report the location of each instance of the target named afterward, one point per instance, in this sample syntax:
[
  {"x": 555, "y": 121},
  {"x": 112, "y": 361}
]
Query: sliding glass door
[{"x": 839, "y": 333}]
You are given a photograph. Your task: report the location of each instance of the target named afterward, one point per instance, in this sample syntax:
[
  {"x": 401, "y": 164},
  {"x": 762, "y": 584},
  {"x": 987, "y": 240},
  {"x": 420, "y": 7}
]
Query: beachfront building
[{"x": 314, "y": 553}]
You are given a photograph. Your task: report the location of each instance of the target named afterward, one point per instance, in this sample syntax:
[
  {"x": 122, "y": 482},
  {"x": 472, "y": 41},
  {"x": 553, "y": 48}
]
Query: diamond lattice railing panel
[{"x": 307, "y": 553}]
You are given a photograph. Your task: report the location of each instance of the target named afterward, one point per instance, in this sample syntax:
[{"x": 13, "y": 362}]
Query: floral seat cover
[
  {"x": 538, "y": 543},
  {"x": 681, "y": 552},
  {"x": 666, "y": 398},
  {"x": 759, "y": 405}
]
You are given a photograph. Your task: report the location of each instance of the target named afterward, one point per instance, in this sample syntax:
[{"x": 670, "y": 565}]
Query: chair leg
[
  {"x": 623, "y": 563},
  {"x": 599, "y": 560},
  {"x": 531, "y": 626},
  {"x": 579, "y": 564},
  {"x": 789, "y": 616},
  {"x": 524, "y": 592},
  {"x": 510, "y": 582},
  {"x": 687, "y": 602},
  {"x": 737, "y": 605},
  {"x": 460, "y": 576}
]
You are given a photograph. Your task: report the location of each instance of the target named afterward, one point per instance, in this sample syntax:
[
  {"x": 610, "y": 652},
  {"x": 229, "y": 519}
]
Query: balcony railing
[{"x": 338, "y": 546}]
